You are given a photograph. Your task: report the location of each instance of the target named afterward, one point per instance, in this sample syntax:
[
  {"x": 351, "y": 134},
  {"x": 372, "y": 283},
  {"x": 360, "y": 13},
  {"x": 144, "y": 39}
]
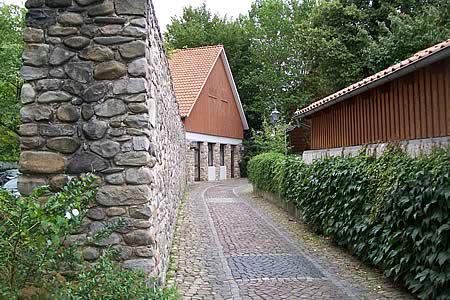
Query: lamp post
[{"x": 274, "y": 118}]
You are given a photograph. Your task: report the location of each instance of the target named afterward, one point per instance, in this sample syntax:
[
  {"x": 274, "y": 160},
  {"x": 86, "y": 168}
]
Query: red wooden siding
[
  {"x": 415, "y": 106},
  {"x": 300, "y": 140},
  {"x": 216, "y": 112}
]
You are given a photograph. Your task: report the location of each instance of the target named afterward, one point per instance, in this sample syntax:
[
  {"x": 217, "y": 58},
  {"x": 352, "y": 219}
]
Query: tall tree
[
  {"x": 289, "y": 52},
  {"x": 11, "y": 26},
  {"x": 277, "y": 65}
]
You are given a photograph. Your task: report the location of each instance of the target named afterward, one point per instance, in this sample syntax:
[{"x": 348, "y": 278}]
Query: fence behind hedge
[{"x": 392, "y": 211}]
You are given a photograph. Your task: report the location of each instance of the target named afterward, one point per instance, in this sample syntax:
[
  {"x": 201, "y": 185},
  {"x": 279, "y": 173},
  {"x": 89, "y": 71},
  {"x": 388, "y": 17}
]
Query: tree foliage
[
  {"x": 11, "y": 26},
  {"x": 293, "y": 52},
  {"x": 271, "y": 138}
]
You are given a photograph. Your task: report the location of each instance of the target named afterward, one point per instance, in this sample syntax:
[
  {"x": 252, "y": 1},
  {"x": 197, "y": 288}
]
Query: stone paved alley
[{"x": 232, "y": 245}]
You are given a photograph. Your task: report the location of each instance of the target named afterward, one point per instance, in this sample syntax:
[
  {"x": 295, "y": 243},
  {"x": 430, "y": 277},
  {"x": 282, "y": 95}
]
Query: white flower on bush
[{"x": 74, "y": 213}]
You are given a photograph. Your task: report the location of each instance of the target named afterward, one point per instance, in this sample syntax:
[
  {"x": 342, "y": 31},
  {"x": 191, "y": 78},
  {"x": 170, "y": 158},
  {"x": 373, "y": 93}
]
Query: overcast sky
[{"x": 165, "y": 9}]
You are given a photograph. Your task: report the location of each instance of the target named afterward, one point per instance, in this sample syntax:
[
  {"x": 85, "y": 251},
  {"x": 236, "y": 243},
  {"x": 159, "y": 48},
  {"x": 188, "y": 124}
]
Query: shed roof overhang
[{"x": 419, "y": 60}]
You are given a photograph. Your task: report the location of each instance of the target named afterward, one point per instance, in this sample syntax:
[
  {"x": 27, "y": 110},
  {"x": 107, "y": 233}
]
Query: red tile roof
[
  {"x": 190, "y": 69},
  {"x": 392, "y": 69}
]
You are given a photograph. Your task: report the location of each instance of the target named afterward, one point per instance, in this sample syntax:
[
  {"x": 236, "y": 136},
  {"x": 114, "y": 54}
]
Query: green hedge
[{"x": 392, "y": 211}]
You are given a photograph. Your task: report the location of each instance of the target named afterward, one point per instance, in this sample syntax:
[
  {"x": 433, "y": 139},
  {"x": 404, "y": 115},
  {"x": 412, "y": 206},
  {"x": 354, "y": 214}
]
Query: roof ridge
[
  {"x": 199, "y": 48},
  {"x": 416, "y": 57}
]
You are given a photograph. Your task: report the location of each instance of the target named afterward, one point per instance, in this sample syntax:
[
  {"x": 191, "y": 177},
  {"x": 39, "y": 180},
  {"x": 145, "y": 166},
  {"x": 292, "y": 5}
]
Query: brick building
[{"x": 211, "y": 110}]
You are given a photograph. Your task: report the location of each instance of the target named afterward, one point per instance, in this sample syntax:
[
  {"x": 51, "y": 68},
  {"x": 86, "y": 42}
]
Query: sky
[{"x": 165, "y": 9}]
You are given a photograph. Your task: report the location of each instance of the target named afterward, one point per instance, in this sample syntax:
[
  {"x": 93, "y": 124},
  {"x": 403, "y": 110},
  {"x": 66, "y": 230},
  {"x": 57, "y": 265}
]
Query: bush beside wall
[{"x": 391, "y": 211}]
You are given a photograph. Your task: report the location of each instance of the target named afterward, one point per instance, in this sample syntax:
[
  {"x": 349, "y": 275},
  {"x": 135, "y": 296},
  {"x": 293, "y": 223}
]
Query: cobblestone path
[{"x": 227, "y": 246}]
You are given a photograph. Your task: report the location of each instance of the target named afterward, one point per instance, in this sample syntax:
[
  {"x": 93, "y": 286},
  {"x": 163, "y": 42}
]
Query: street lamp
[{"x": 274, "y": 116}]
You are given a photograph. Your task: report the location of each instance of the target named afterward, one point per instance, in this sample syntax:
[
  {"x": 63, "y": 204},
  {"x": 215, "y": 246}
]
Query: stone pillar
[
  {"x": 98, "y": 98},
  {"x": 190, "y": 162},
  {"x": 228, "y": 160},
  {"x": 204, "y": 161},
  {"x": 216, "y": 158},
  {"x": 237, "y": 160}
]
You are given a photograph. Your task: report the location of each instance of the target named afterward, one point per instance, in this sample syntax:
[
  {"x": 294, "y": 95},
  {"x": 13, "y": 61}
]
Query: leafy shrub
[
  {"x": 37, "y": 263},
  {"x": 392, "y": 211},
  {"x": 105, "y": 280},
  {"x": 266, "y": 171},
  {"x": 33, "y": 229}
]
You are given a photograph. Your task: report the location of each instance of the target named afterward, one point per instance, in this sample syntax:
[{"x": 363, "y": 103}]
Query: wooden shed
[{"x": 405, "y": 102}]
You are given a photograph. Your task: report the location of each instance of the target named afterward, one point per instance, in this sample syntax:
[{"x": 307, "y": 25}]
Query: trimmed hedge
[{"x": 391, "y": 211}]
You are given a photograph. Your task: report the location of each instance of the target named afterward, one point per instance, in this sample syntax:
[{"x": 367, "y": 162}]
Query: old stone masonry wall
[{"x": 98, "y": 97}]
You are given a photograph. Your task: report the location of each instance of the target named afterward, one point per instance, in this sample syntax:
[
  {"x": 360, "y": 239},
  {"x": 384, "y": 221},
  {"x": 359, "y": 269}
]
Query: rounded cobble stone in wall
[
  {"x": 57, "y": 30},
  {"x": 95, "y": 92},
  {"x": 79, "y": 71},
  {"x": 57, "y": 182},
  {"x": 56, "y": 130},
  {"x": 28, "y": 143},
  {"x": 33, "y": 73},
  {"x": 27, "y": 94},
  {"x": 110, "y": 108},
  {"x": 110, "y": 195},
  {"x": 29, "y": 129},
  {"x": 103, "y": 9},
  {"x": 96, "y": 213},
  {"x": 64, "y": 145},
  {"x": 35, "y": 113},
  {"x": 139, "y": 237},
  {"x": 60, "y": 55},
  {"x": 69, "y": 19},
  {"x": 110, "y": 70},
  {"x": 85, "y": 162},
  {"x": 105, "y": 148},
  {"x": 115, "y": 179},
  {"x": 94, "y": 129},
  {"x": 48, "y": 85},
  {"x": 41, "y": 162},
  {"x": 131, "y": 159},
  {"x": 97, "y": 53},
  {"x": 35, "y": 55},
  {"x": 91, "y": 253},
  {"x": 54, "y": 96},
  {"x": 33, "y": 35},
  {"x": 132, "y": 50},
  {"x": 76, "y": 42},
  {"x": 115, "y": 211},
  {"x": 68, "y": 113}
]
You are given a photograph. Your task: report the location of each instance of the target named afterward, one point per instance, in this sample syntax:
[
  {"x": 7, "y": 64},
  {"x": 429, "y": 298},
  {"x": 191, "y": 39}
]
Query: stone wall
[
  {"x": 98, "y": 98},
  {"x": 203, "y": 161},
  {"x": 412, "y": 147},
  {"x": 237, "y": 160},
  {"x": 190, "y": 162},
  {"x": 216, "y": 158},
  {"x": 228, "y": 160},
  {"x": 190, "y": 169}
]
